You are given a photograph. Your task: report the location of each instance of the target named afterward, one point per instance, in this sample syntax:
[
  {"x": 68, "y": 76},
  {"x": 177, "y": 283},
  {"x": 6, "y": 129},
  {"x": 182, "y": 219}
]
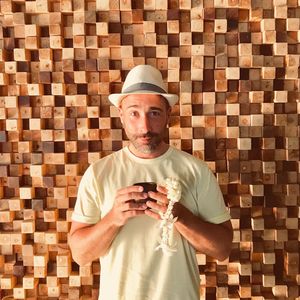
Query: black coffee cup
[{"x": 148, "y": 187}]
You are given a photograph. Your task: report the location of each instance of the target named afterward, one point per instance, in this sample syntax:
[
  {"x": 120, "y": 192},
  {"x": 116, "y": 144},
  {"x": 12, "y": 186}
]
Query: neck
[{"x": 160, "y": 150}]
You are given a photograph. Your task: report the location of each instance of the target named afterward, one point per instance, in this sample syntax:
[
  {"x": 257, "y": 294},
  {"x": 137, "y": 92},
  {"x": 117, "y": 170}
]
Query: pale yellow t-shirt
[{"x": 132, "y": 269}]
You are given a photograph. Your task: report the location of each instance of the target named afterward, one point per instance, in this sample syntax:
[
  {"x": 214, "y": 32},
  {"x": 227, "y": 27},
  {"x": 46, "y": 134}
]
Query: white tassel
[{"x": 167, "y": 219}]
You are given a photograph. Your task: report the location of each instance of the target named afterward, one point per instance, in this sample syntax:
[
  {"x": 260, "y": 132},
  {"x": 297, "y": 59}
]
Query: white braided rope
[{"x": 167, "y": 219}]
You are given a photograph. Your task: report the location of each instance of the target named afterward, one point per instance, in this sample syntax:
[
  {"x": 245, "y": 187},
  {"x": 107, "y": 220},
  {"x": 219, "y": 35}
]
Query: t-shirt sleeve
[
  {"x": 211, "y": 205},
  {"x": 87, "y": 207}
]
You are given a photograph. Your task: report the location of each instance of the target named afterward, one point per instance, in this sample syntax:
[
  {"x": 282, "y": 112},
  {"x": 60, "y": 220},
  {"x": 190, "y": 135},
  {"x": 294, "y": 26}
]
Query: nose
[{"x": 145, "y": 124}]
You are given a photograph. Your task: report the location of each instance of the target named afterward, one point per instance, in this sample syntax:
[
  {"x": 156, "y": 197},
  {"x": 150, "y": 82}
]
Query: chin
[{"x": 146, "y": 149}]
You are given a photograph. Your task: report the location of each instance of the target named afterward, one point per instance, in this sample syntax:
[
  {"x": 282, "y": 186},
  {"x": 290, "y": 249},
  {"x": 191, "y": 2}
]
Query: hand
[
  {"x": 160, "y": 205},
  {"x": 127, "y": 204}
]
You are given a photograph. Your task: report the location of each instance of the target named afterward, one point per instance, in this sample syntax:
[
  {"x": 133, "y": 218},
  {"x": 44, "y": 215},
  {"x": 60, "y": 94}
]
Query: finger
[
  {"x": 131, "y": 196},
  {"x": 159, "y": 197},
  {"x": 152, "y": 214},
  {"x": 133, "y": 213},
  {"x": 157, "y": 206},
  {"x": 130, "y": 189},
  {"x": 162, "y": 189},
  {"x": 132, "y": 205}
]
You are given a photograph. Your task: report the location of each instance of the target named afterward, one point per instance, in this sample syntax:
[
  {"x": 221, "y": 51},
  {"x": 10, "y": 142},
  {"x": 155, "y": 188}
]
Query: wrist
[
  {"x": 182, "y": 213},
  {"x": 112, "y": 221},
  {"x": 178, "y": 211}
]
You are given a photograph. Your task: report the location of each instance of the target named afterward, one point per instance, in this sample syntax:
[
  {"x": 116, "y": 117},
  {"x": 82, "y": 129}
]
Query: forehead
[{"x": 143, "y": 101}]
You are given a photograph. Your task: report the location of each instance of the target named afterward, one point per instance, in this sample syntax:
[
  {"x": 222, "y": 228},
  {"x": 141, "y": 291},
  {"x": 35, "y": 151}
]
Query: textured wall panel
[{"x": 235, "y": 65}]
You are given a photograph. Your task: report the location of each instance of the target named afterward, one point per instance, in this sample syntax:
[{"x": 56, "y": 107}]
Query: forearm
[
  {"x": 214, "y": 240},
  {"x": 89, "y": 243}
]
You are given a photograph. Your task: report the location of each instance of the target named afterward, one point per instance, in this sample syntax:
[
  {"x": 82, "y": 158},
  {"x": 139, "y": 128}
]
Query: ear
[
  {"x": 169, "y": 110},
  {"x": 168, "y": 114},
  {"x": 120, "y": 114}
]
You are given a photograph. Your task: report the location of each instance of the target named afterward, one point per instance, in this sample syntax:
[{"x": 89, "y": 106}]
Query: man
[{"x": 112, "y": 221}]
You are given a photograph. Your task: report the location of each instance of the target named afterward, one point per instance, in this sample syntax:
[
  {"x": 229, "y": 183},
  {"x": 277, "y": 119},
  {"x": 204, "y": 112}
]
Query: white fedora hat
[{"x": 143, "y": 79}]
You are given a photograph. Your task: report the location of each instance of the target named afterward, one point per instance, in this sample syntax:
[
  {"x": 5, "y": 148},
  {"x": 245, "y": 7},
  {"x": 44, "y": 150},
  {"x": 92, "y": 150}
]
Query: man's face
[{"x": 144, "y": 118}]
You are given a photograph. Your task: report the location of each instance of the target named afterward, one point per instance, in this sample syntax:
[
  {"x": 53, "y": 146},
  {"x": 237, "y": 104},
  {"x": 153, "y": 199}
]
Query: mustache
[{"x": 148, "y": 134}]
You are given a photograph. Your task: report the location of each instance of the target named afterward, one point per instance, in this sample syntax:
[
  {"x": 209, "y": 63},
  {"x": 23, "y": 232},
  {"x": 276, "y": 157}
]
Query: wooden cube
[
  {"x": 41, "y": 260},
  {"x": 74, "y": 279},
  {"x": 28, "y": 226},
  {"x": 19, "y": 292},
  {"x": 29, "y": 282},
  {"x": 8, "y": 282}
]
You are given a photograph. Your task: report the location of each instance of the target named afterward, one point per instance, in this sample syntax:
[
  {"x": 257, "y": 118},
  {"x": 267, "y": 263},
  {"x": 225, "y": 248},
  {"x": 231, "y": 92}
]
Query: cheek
[
  {"x": 128, "y": 125},
  {"x": 160, "y": 124}
]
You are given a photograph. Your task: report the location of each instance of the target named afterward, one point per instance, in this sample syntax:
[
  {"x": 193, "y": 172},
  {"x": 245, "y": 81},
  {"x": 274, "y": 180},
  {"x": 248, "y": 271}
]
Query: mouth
[{"x": 145, "y": 139}]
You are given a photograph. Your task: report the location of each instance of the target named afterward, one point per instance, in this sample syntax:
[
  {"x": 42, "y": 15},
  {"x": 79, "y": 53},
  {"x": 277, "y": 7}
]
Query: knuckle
[
  {"x": 123, "y": 207},
  {"x": 127, "y": 206},
  {"x": 131, "y": 213},
  {"x": 119, "y": 191},
  {"x": 135, "y": 195}
]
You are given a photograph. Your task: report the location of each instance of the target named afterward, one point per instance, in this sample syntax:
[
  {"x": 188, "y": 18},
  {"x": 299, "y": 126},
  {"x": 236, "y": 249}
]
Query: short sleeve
[
  {"x": 211, "y": 205},
  {"x": 87, "y": 208}
]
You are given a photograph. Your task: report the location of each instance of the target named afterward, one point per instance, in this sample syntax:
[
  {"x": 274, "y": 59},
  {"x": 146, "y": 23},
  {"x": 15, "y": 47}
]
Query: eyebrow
[{"x": 151, "y": 108}]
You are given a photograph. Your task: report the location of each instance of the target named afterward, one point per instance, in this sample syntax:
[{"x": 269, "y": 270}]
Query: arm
[
  {"x": 214, "y": 240},
  {"x": 89, "y": 242}
]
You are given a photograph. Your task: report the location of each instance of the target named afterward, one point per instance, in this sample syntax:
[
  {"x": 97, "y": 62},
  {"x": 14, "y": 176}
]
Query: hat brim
[{"x": 116, "y": 99}]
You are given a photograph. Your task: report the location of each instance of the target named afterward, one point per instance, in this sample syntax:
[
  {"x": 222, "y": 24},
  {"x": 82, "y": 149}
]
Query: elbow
[
  {"x": 80, "y": 260},
  {"x": 224, "y": 255},
  {"x": 78, "y": 255},
  {"x": 226, "y": 250}
]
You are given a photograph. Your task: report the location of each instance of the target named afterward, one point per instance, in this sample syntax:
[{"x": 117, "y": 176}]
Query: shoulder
[
  {"x": 106, "y": 159},
  {"x": 104, "y": 163},
  {"x": 191, "y": 165},
  {"x": 188, "y": 158}
]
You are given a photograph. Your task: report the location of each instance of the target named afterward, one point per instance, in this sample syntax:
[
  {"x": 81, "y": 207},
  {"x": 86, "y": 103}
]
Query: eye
[
  {"x": 155, "y": 113},
  {"x": 133, "y": 113}
]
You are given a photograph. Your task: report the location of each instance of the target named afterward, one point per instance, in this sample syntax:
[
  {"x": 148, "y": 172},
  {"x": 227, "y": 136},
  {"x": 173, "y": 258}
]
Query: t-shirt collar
[{"x": 147, "y": 160}]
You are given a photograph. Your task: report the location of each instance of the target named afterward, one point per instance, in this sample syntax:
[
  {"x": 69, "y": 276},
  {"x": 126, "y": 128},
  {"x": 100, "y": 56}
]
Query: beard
[{"x": 153, "y": 141}]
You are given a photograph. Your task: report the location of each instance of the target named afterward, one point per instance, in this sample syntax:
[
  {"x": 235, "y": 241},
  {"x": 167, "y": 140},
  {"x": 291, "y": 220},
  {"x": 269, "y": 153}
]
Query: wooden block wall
[{"x": 235, "y": 65}]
